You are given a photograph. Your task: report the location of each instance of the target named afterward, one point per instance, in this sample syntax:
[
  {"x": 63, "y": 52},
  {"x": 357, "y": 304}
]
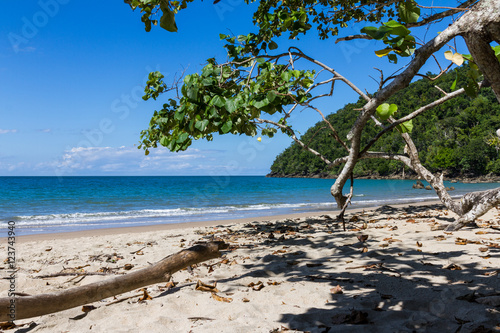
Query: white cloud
[
  {"x": 128, "y": 160},
  {"x": 6, "y": 131}
]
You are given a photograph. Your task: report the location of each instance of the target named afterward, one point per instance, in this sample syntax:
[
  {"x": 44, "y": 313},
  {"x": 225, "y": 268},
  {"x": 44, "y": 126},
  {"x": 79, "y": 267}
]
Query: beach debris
[
  {"x": 419, "y": 244},
  {"x": 48, "y": 248},
  {"x": 128, "y": 267},
  {"x": 160, "y": 272},
  {"x": 169, "y": 285},
  {"x": 364, "y": 249},
  {"x": 337, "y": 290},
  {"x": 365, "y": 266},
  {"x": 329, "y": 278},
  {"x": 207, "y": 287},
  {"x": 256, "y": 286},
  {"x": 221, "y": 299},
  {"x": 274, "y": 283},
  {"x": 88, "y": 308},
  {"x": 362, "y": 238},
  {"x": 245, "y": 300},
  {"x": 113, "y": 257},
  {"x": 145, "y": 296},
  {"x": 314, "y": 264},
  {"x": 355, "y": 317},
  {"x": 391, "y": 240},
  {"x": 292, "y": 262},
  {"x": 199, "y": 318},
  {"x": 137, "y": 251},
  {"x": 354, "y": 218},
  {"x": 452, "y": 267},
  {"x": 492, "y": 273},
  {"x": 7, "y": 325},
  {"x": 280, "y": 329},
  {"x": 463, "y": 241}
]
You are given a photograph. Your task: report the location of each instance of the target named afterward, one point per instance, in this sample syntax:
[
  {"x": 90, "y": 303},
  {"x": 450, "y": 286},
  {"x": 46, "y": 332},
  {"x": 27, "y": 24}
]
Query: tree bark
[
  {"x": 38, "y": 305},
  {"x": 474, "y": 205}
]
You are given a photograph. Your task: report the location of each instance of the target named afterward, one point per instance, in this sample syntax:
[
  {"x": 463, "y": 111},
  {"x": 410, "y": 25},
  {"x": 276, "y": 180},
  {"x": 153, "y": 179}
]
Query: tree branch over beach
[{"x": 236, "y": 96}]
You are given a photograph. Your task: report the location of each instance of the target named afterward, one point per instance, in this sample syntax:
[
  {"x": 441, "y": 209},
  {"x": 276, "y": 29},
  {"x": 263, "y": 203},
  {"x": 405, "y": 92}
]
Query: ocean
[{"x": 62, "y": 204}]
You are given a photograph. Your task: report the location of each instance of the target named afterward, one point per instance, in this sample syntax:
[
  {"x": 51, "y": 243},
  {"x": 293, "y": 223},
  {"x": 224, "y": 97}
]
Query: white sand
[{"x": 406, "y": 280}]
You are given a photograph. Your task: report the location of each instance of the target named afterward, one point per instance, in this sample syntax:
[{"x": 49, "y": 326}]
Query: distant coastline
[{"x": 489, "y": 178}]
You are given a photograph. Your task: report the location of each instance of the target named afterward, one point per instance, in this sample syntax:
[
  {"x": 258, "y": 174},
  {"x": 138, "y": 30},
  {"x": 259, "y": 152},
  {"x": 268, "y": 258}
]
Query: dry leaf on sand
[
  {"x": 206, "y": 287},
  {"x": 145, "y": 296},
  {"x": 453, "y": 267},
  {"x": 256, "y": 286},
  {"x": 221, "y": 299}
]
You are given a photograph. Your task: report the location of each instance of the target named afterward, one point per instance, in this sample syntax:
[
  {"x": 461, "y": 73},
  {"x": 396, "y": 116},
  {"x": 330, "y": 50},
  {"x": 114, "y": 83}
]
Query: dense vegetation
[{"x": 451, "y": 137}]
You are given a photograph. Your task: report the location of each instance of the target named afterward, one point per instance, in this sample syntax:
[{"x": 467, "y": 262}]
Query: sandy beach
[{"x": 391, "y": 271}]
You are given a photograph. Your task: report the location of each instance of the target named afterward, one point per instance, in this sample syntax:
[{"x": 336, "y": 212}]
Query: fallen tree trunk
[
  {"x": 32, "y": 306},
  {"x": 474, "y": 205}
]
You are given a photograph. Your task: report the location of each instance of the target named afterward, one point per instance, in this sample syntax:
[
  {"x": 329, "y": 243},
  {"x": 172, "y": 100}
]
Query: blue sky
[{"x": 72, "y": 77}]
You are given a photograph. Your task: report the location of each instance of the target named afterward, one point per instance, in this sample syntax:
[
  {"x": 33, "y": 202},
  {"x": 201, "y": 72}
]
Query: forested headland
[{"x": 451, "y": 138}]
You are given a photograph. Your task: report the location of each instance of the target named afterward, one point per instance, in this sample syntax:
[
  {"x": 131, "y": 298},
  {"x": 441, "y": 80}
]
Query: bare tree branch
[{"x": 294, "y": 137}]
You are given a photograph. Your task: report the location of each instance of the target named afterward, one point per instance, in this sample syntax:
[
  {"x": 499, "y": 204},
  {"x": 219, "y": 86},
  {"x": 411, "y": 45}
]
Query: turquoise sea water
[{"x": 60, "y": 204}]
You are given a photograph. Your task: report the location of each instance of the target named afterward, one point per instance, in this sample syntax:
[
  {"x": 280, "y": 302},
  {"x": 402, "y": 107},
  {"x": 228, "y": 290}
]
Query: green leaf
[
  {"x": 376, "y": 33},
  {"x": 192, "y": 93},
  {"x": 179, "y": 116},
  {"x": 272, "y": 45},
  {"x": 227, "y": 126},
  {"x": 409, "y": 12},
  {"x": 164, "y": 141},
  {"x": 183, "y": 137},
  {"x": 167, "y": 20},
  {"x": 201, "y": 125},
  {"x": 393, "y": 58},
  {"x": 271, "y": 95},
  {"x": 454, "y": 84},
  {"x": 405, "y": 127},
  {"x": 286, "y": 75},
  {"x": 218, "y": 101},
  {"x": 393, "y": 24},
  {"x": 385, "y": 110},
  {"x": 262, "y": 103},
  {"x": 472, "y": 88},
  {"x": 231, "y": 105}
]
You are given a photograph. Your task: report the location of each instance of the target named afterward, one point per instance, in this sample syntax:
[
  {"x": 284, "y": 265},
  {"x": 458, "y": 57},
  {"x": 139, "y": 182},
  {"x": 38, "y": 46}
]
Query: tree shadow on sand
[{"x": 387, "y": 285}]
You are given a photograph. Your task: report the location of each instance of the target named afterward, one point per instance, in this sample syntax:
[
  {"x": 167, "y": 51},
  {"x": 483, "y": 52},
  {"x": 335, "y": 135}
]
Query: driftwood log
[{"x": 38, "y": 305}]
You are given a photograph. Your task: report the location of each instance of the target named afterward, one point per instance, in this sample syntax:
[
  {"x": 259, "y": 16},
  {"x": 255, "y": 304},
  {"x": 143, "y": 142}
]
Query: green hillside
[{"x": 450, "y": 138}]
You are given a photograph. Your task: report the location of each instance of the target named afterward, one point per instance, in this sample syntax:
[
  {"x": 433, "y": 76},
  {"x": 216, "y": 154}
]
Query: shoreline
[{"x": 197, "y": 224}]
